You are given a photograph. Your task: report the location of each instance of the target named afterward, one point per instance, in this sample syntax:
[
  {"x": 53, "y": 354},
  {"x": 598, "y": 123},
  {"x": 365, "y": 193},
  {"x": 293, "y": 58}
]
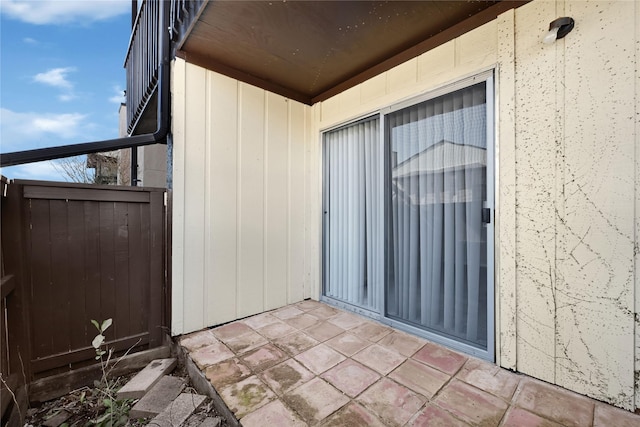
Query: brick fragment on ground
[{"x": 139, "y": 385}]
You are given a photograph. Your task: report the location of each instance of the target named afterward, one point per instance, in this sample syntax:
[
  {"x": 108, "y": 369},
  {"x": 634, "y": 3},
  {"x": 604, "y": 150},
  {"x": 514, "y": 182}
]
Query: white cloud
[
  {"x": 56, "y": 77},
  {"x": 67, "y": 97},
  {"x": 118, "y": 97},
  {"x": 29, "y": 40},
  {"x": 63, "y": 125},
  {"x": 22, "y": 131},
  {"x": 60, "y": 12}
]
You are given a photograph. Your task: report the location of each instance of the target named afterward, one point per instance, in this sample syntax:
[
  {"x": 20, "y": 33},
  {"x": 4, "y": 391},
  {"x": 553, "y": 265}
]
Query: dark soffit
[{"x": 312, "y": 50}]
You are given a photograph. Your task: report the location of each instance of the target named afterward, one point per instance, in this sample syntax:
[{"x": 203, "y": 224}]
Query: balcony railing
[
  {"x": 143, "y": 56},
  {"x": 183, "y": 13},
  {"x": 142, "y": 62}
]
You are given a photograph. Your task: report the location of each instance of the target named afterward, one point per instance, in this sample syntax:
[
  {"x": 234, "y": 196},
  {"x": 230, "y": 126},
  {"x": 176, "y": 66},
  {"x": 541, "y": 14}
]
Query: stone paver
[
  {"x": 433, "y": 416},
  {"x": 607, "y": 415},
  {"x": 273, "y": 414},
  {"x": 518, "y": 417},
  {"x": 302, "y": 321},
  {"x": 260, "y": 320},
  {"x": 350, "y": 377},
  {"x": 323, "y": 331},
  {"x": 371, "y": 331},
  {"x": 178, "y": 411},
  {"x": 402, "y": 343},
  {"x": 231, "y": 330},
  {"x": 352, "y": 415},
  {"x": 320, "y": 358},
  {"x": 471, "y": 405},
  {"x": 276, "y": 330},
  {"x": 226, "y": 372},
  {"x": 555, "y": 403},
  {"x": 315, "y": 400},
  {"x": 246, "y": 342},
  {"x": 489, "y": 377},
  {"x": 347, "y": 344},
  {"x": 142, "y": 382},
  {"x": 211, "y": 354},
  {"x": 379, "y": 358},
  {"x": 308, "y": 305},
  {"x": 286, "y": 376},
  {"x": 440, "y": 358},
  {"x": 420, "y": 378},
  {"x": 287, "y": 312},
  {"x": 309, "y": 364},
  {"x": 158, "y": 398},
  {"x": 246, "y": 396},
  {"x": 325, "y": 312},
  {"x": 198, "y": 339},
  {"x": 211, "y": 422},
  {"x": 263, "y": 357},
  {"x": 392, "y": 403},
  {"x": 346, "y": 320},
  {"x": 295, "y": 343}
]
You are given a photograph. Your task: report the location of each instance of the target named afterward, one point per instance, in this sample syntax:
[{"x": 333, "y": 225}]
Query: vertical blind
[
  {"x": 436, "y": 266},
  {"x": 352, "y": 214}
]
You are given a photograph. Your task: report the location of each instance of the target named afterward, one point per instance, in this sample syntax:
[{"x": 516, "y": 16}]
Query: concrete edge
[{"x": 203, "y": 386}]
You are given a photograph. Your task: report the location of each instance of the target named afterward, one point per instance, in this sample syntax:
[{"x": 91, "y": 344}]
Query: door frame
[{"x": 488, "y": 76}]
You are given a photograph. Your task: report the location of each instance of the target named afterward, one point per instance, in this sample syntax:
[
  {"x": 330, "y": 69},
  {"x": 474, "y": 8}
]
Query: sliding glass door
[
  {"x": 408, "y": 198},
  {"x": 352, "y": 214},
  {"x": 436, "y": 221}
]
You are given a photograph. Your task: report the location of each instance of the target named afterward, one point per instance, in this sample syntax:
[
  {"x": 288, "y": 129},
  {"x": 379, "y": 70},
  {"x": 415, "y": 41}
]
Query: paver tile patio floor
[{"x": 310, "y": 364}]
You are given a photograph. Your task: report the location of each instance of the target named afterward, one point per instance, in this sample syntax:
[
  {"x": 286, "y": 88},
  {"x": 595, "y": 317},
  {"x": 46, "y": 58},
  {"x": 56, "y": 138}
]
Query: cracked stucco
[{"x": 571, "y": 198}]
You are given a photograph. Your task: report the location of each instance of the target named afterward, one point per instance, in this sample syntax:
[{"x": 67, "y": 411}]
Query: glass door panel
[
  {"x": 352, "y": 223},
  {"x": 436, "y": 248}
]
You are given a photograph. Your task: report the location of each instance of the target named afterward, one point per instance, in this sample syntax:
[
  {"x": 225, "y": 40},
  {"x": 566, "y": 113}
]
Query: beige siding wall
[
  {"x": 565, "y": 183},
  {"x": 239, "y": 190}
]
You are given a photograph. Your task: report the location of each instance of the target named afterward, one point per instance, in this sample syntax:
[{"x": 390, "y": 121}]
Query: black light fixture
[{"x": 559, "y": 28}]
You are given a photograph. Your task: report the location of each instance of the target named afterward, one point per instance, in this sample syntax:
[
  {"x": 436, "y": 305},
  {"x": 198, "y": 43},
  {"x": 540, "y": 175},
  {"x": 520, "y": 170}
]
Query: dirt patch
[
  {"x": 300, "y": 405},
  {"x": 83, "y": 406},
  {"x": 285, "y": 375}
]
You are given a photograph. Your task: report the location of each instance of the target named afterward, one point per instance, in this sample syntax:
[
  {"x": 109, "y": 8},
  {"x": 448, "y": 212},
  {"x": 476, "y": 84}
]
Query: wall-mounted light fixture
[{"x": 558, "y": 29}]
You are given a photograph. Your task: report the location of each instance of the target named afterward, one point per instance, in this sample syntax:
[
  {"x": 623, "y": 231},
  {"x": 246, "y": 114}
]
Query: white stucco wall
[
  {"x": 569, "y": 183},
  {"x": 566, "y": 189}
]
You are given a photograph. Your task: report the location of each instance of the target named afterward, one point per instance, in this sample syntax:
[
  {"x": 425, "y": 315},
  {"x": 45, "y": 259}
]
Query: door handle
[{"x": 486, "y": 215}]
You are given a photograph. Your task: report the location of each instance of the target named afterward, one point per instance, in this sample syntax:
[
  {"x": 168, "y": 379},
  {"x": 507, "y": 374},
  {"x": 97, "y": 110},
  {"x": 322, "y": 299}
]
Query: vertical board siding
[
  {"x": 240, "y": 166},
  {"x": 637, "y": 207},
  {"x": 276, "y": 202},
  {"x": 194, "y": 196},
  {"x": 299, "y": 243},
  {"x": 595, "y": 330},
  {"x": 222, "y": 199},
  {"x": 178, "y": 127},
  {"x": 251, "y": 201},
  {"x": 535, "y": 194},
  {"x": 506, "y": 294}
]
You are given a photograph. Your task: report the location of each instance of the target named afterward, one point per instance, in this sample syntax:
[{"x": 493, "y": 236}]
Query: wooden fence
[{"x": 72, "y": 253}]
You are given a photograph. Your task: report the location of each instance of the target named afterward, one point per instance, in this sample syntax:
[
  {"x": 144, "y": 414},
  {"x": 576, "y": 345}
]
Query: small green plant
[{"x": 116, "y": 411}]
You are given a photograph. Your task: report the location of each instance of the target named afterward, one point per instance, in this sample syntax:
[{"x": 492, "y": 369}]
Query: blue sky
[{"x": 61, "y": 75}]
